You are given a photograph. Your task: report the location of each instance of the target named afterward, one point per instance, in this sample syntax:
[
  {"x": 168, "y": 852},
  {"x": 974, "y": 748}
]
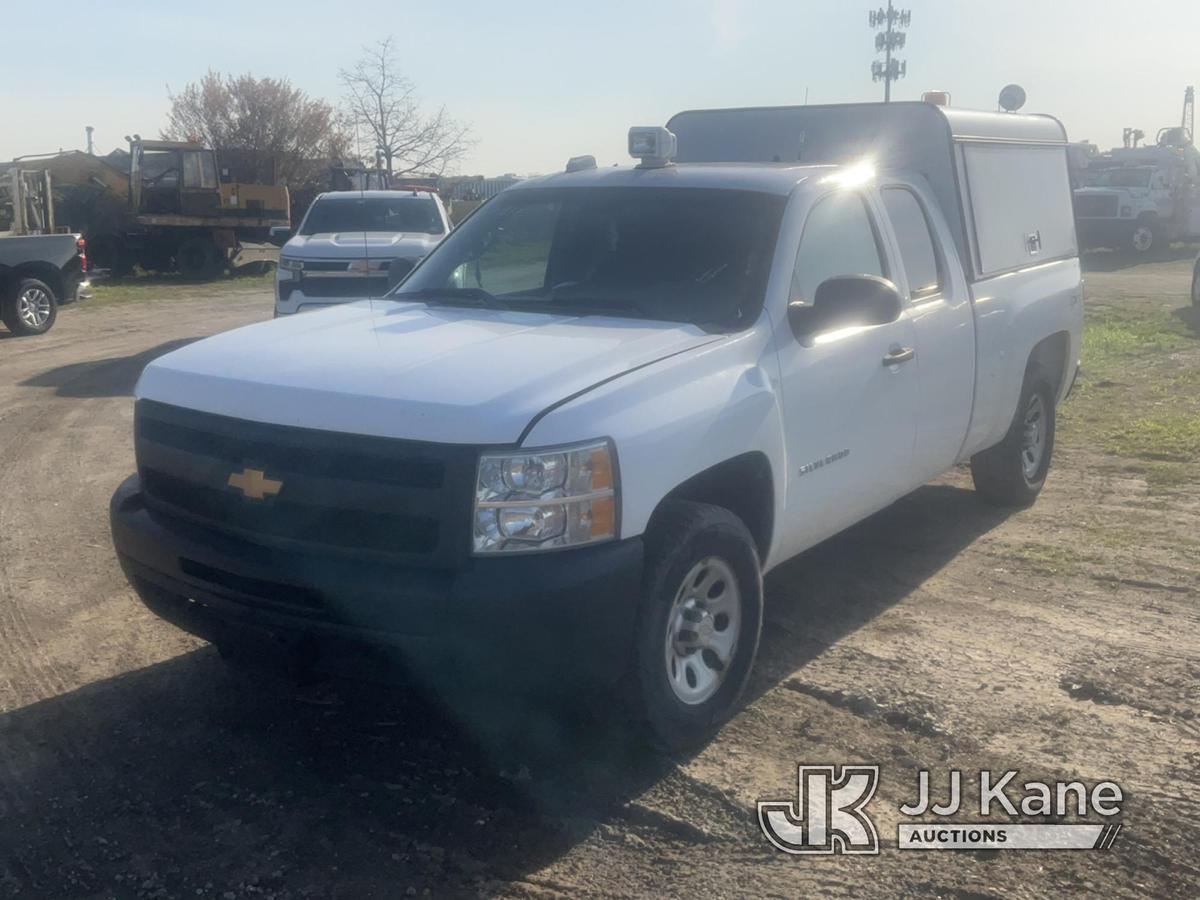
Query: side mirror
[
  {"x": 279, "y": 234},
  {"x": 845, "y": 301}
]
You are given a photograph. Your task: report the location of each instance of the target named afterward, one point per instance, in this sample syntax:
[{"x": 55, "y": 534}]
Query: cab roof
[{"x": 766, "y": 178}]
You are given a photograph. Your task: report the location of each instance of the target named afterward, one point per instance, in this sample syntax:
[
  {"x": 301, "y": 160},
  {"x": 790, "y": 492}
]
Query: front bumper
[
  {"x": 1105, "y": 232},
  {"x": 530, "y": 620}
]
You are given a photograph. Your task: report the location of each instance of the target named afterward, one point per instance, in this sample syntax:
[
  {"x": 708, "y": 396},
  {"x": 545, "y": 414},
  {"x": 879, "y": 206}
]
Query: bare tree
[
  {"x": 278, "y": 130},
  {"x": 384, "y": 102}
]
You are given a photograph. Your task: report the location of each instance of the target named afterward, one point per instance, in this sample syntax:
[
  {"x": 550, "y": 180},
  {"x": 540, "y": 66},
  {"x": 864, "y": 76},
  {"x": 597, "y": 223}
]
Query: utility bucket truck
[
  {"x": 1139, "y": 197},
  {"x": 573, "y": 440}
]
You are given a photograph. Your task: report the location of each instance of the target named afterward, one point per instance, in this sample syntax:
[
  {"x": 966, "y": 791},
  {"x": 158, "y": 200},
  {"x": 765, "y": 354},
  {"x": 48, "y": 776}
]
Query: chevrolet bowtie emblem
[{"x": 254, "y": 484}]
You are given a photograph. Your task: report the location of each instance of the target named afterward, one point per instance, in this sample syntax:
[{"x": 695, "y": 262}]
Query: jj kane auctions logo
[{"x": 829, "y": 814}]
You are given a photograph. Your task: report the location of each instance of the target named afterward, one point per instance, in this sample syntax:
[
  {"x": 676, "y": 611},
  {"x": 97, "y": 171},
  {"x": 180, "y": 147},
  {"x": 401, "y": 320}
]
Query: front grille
[
  {"x": 1096, "y": 206},
  {"x": 340, "y": 493},
  {"x": 344, "y": 286},
  {"x": 321, "y": 265}
]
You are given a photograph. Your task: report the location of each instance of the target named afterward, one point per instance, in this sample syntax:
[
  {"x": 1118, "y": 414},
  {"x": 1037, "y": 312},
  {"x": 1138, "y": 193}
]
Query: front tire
[
  {"x": 30, "y": 308},
  {"x": 1147, "y": 238},
  {"x": 699, "y": 627},
  {"x": 1013, "y": 472}
]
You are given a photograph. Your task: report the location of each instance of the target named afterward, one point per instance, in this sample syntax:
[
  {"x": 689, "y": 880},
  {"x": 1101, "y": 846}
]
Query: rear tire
[
  {"x": 108, "y": 251},
  {"x": 30, "y": 307},
  {"x": 1013, "y": 472},
  {"x": 700, "y": 620}
]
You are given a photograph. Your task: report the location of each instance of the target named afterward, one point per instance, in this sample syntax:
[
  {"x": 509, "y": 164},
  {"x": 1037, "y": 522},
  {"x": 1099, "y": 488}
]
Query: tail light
[{"x": 81, "y": 249}]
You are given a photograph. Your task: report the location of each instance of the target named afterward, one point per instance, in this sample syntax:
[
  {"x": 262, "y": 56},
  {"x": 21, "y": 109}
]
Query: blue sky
[{"x": 542, "y": 81}]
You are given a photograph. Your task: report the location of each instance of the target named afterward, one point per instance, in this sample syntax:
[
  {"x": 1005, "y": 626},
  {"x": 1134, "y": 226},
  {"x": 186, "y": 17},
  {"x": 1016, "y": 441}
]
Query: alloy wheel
[{"x": 33, "y": 307}]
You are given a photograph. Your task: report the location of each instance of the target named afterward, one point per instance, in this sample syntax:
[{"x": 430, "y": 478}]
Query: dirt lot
[{"x": 1061, "y": 641}]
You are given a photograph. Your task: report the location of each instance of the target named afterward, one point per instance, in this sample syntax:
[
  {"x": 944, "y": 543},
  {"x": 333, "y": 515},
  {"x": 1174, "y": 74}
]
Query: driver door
[{"x": 849, "y": 414}]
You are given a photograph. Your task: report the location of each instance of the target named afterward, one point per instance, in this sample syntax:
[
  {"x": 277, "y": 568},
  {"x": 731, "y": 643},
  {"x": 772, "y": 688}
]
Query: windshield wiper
[
  {"x": 582, "y": 306},
  {"x": 452, "y": 297}
]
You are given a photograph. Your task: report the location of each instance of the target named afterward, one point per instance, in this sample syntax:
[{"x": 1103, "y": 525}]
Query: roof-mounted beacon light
[
  {"x": 653, "y": 145},
  {"x": 936, "y": 98},
  {"x": 579, "y": 163}
]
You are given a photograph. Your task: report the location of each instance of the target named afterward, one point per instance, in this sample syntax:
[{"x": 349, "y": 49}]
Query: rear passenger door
[
  {"x": 931, "y": 277},
  {"x": 849, "y": 417}
]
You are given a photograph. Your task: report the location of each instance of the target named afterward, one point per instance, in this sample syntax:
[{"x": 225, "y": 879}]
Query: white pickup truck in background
[
  {"x": 585, "y": 426},
  {"x": 353, "y": 245}
]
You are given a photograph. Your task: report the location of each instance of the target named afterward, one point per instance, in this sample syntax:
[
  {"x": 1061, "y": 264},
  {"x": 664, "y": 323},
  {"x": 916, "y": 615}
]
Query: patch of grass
[
  {"x": 1046, "y": 559},
  {"x": 1138, "y": 396},
  {"x": 1167, "y": 476},
  {"x": 1162, "y": 478},
  {"x": 154, "y": 287},
  {"x": 1170, "y": 437},
  {"x": 1112, "y": 340}
]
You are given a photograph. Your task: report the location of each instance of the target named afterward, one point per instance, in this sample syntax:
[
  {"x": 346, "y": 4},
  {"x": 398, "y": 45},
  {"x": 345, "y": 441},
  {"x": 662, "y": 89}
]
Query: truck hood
[
  {"x": 361, "y": 244},
  {"x": 405, "y": 370}
]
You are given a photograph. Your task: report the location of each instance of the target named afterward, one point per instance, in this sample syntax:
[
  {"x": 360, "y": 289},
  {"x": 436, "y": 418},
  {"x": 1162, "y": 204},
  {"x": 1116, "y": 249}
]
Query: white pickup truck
[
  {"x": 356, "y": 244},
  {"x": 581, "y": 431}
]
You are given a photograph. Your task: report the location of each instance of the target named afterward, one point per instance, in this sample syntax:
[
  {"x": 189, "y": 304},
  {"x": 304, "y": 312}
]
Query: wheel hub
[
  {"x": 1033, "y": 438},
  {"x": 33, "y": 306},
  {"x": 702, "y": 630}
]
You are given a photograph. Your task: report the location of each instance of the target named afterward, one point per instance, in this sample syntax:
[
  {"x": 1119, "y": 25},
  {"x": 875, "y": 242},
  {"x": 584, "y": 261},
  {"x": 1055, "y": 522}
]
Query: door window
[
  {"x": 915, "y": 238},
  {"x": 839, "y": 239}
]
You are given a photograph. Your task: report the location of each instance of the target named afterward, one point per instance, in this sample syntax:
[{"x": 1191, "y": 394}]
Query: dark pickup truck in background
[
  {"x": 41, "y": 265},
  {"x": 37, "y": 273}
]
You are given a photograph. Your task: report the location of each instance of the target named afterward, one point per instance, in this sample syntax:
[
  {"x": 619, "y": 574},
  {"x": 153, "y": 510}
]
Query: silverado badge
[{"x": 254, "y": 484}]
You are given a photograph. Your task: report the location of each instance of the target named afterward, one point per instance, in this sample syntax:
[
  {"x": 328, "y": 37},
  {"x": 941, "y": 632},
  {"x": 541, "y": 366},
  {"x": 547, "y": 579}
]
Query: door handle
[{"x": 899, "y": 355}]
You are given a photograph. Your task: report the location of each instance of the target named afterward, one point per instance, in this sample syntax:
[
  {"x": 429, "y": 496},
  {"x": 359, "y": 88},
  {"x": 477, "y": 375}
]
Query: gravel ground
[{"x": 1062, "y": 641}]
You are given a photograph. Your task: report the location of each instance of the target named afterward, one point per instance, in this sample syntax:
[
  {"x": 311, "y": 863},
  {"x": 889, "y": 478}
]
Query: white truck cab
[
  {"x": 574, "y": 439},
  {"x": 353, "y": 245}
]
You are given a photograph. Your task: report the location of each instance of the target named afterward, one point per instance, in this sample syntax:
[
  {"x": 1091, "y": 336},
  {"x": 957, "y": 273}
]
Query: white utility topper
[{"x": 574, "y": 439}]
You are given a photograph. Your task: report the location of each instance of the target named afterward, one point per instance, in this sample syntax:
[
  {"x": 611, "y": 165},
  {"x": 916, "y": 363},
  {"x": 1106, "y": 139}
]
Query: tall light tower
[{"x": 890, "y": 39}]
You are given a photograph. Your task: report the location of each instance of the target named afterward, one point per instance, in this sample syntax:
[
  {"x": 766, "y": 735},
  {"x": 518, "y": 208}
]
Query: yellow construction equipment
[{"x": 168, "y": 205}]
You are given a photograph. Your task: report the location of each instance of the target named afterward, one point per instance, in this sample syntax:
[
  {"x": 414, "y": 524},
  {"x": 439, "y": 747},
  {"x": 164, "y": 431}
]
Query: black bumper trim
[{"x": 543, "y": 616}]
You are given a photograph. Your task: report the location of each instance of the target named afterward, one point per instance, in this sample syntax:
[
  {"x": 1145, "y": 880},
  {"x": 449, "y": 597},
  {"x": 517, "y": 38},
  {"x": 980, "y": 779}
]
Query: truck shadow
[
  {"x": 111, "y": 377},
  {"x": 191, "y": 777},
  {"x": 835, "y": 588}
]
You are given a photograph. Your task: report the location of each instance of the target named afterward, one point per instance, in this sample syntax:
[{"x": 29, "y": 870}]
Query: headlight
[
  {"x": 290, "y": 264},
  {"x": 553, "y": 498}
]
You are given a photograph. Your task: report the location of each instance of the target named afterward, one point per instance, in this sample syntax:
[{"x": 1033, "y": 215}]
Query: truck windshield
[
  {"x": 1120, "y": 178},
  {"x": 677, "y": 254},
  {"x": 398, "y": 214}
]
